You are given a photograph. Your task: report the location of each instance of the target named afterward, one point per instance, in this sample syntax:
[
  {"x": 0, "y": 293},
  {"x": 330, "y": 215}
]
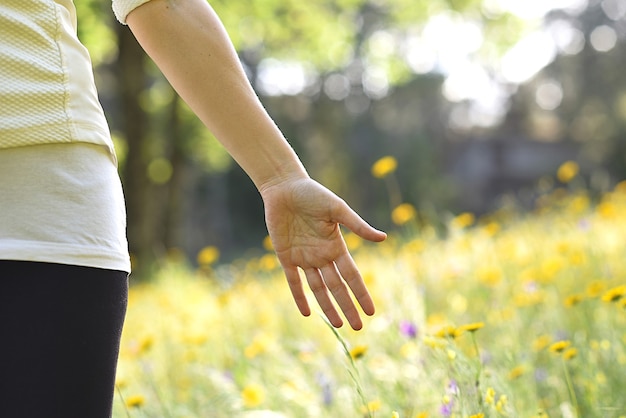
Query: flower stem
[
  {"x": 119, "y": 392},
  {"x": 570, "y": 387},
  {"x": 479, "y": 369},
  {"x": 354, "y": 372}
]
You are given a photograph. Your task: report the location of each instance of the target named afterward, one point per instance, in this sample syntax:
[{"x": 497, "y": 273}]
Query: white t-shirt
[
  {"x": 60, "y": 194},
  {"x": 123, "y": 7},
  {"x": 62, "y": 203}
]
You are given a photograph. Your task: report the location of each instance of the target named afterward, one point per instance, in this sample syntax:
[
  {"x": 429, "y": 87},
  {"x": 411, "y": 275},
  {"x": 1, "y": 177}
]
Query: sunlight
[
  {"x": 449, "y": 44},
  {"x": 277, "y": 77},
  {"x": 603, "y": 38},
  {"x": 568, "y": 39},
  {"x": 536, "y": 9},
  {"x": 526, "y": 58},
  {"x": 549, "y": 95},
  {"x": 453, "y": 38}
]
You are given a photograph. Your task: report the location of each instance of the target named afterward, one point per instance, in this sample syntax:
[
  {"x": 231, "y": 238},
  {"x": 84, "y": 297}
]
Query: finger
[
  {"x": 339, "y": 290},
  {"x": 295, "y": 285},
  {"x": 317, "y": 285},
  {"x": 348, "y": 217},
  {"x": 350, "y": 273}
]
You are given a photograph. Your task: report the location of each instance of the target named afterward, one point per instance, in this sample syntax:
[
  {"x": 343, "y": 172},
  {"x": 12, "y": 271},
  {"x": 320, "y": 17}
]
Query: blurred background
[{"x": 476, "y": 101}]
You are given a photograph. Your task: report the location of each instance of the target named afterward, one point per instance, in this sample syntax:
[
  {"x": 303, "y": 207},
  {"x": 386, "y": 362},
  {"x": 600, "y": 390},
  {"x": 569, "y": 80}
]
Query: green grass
[{"x": 228, "y": 341}]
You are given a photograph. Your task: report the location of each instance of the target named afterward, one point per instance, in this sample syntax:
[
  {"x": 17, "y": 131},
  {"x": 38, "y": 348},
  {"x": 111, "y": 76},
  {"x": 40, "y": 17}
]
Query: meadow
[{"x": 514, "y": 314}]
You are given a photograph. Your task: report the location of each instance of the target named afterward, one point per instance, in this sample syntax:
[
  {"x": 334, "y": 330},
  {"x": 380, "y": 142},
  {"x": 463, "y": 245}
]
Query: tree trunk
[{"x": 134, "y": 123}]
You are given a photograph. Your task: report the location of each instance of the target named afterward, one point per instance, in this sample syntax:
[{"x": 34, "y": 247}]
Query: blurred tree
[
  {"x": 579, "y": 99},
  {"x": 347, "y": 80}
]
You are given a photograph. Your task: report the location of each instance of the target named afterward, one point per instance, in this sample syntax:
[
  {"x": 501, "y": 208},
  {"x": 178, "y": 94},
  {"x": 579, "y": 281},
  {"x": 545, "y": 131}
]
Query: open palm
[{"x": 303, "y": 219}]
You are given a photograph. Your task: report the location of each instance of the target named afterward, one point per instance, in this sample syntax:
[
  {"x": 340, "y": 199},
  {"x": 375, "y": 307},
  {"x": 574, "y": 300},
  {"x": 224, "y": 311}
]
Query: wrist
[{"x": 283, "y": 175}]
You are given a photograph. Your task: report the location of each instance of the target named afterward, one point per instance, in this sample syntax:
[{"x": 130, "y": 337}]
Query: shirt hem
[{"x": 98, "y": 257}]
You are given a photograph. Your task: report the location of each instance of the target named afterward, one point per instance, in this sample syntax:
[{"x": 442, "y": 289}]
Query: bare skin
[
  {"x": 303, "y": 220},
  {"x": 188, "y": 42}
]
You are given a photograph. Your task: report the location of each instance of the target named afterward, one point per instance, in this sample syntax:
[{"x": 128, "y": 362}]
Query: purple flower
[
  {"x": 531, "y": 287},
  {"x": 446, "y": 409},
  {"x": 541, "y": 375},
  {"x": 453, "y": 387},
  {"x": 584, "y": 225},
  {"x": 408, "y": 329},
  {"x": 325, "y": 385}
]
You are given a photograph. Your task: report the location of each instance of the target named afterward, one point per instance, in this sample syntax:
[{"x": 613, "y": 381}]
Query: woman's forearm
[{"x": 188, "y": 42}]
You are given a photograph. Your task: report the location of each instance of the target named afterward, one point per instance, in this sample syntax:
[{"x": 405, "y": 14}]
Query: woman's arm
[{"x": 188, "y": 42}]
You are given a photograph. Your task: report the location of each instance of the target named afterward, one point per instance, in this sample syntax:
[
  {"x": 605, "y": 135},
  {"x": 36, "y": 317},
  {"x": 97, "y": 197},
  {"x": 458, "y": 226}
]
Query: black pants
[{"x": 60, "y": 329}]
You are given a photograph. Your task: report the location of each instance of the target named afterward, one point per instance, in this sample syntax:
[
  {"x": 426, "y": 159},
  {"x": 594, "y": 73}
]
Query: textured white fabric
[
  {"x": 47, "y": 91},
  {"x": 62, "y": 203},
  {"x": 60, "y": 194},
  {"x": 122, "y": 8}
]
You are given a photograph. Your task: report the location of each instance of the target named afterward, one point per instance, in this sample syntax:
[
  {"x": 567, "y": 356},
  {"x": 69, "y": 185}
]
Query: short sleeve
[{"x": 122, "y": 8}]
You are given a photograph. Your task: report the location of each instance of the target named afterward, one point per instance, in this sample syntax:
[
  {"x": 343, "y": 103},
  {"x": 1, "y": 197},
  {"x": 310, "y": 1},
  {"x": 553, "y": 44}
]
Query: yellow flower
[
  {"x": 268, "y": 262},
  {"x": 463, "y": 220},
  {"x": 373, "y": 406},
  {"x": 492, "y": 228},
  {"x": 409, "y": 350},
  {"x": 550, "y": 267},
  {"x": 620, "y": 187},
  {"x": 415, "y": 246},
  {"x": 403, "y": 213},
  {"x": 447, "y": 331},
  {"x": 421, "y": 415},
  {"x": 567, "y": 171},
  {"x": 259, "y": 345},
  {"x": 358, "y": 352},
  {"x": 615, "y": 294},
  {"x": 570, "y": 353},
  {"x": 541, "y": 342},
  {"x": 353, "y": 241},
  {"x": 501, "y": 403},
  {"x": 573, "y": 300},
  {"x": 607, "y": 210},
  {"x": 595, "y": 288},
  {"x": 579, "y": 204},
  {"x": 489, "y": 275},
  {"x": 135, "y": 401},
  {"x": 560, "y": 346},
  {"x": 516, "y": 372},
  {"x": 384, "y": 166},
  {"x": 394, "y": 414},
  {"x": 267, "y": 243},
  {"x": 478, "y": 415},
  {"x": 143, "y": 345},
  {"x": 120, "y": 381},
  {"x": 208, "y": 256},
  {"x": 433, "y": 342},
  {"x": 252, "y": 396},
  {"x": 490, "y": 396},
  {"x": 471, "y": 327}
]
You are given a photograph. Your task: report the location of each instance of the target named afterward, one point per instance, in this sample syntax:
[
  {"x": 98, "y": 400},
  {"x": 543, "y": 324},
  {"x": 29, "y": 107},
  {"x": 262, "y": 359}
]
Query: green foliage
[
  {"x": 328, "y": 34},
  {"x": 200, "y": 145},
  {"x": 318, "y": 32},
  {"x": 506, "y": 317},
  {"x": 96, "y": 30}
]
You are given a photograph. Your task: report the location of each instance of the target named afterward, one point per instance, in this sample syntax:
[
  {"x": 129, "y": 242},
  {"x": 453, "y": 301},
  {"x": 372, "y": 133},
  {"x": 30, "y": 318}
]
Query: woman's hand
[
  {"x": 188, "y": 42},
  {"x": 303, "y": 220}
]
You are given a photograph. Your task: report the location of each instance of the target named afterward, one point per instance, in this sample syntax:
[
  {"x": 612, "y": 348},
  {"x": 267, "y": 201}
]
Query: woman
[{"x": 62, "y": 225}]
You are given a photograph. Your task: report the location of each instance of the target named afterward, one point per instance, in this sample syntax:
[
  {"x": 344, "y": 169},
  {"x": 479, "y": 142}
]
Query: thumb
[{"x": 351, "y": 220}]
